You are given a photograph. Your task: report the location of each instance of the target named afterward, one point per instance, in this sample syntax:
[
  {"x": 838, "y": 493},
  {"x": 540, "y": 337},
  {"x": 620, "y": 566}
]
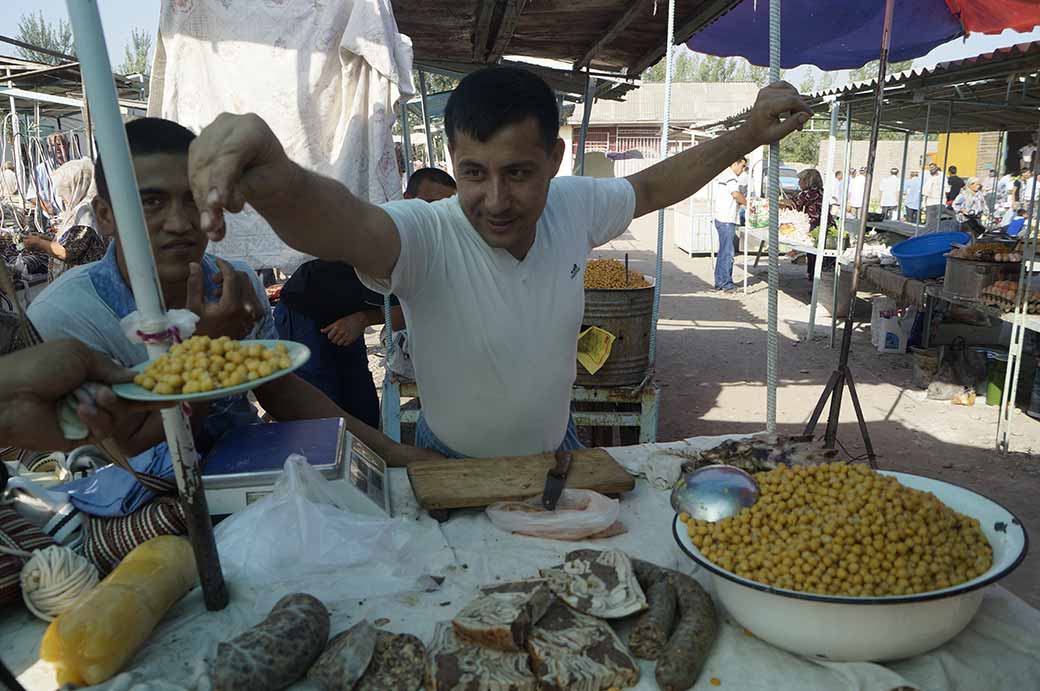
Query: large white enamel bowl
[{"x": 871, "y": 628}]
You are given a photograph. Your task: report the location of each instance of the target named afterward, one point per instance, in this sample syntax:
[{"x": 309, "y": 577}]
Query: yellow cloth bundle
[{"x": 92, "y": 640}]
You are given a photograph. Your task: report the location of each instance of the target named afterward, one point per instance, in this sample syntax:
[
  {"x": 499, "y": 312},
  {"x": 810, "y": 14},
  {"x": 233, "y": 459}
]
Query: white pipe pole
[
  {"x": 842, "y": 218},
  {"x": 772, "y": 346},
  {"x": 137, "y": 249},
  {"x": 825, "y": 209},
  {"x": 655, "y": 311},
  {"x": 16, "y": 131}
]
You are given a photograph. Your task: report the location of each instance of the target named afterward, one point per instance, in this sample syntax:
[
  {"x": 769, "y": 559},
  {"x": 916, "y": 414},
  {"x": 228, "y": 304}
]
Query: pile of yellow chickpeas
[
  {"x": 201, "y": 364},
  {"x": 610, "y": 273},
  {"x": 840, "y": 529}
]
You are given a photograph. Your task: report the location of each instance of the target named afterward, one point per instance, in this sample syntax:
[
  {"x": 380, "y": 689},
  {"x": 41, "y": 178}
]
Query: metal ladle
[{"x": 714, "y": 492}]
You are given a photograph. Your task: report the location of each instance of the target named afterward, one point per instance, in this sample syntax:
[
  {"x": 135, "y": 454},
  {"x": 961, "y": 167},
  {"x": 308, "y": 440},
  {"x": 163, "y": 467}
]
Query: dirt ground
[{"x": 712, "y": 373}]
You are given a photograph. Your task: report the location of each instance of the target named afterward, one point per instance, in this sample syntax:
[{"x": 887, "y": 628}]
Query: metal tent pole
[
  {"x": 924, "y": 166},
  {"x": 841, "y": 221},
  {"x": 902, "y": 177},
  {"x": 842, "y": 376},
  {"x": 946, "y": 159},
  {"x": 1018, "y": 330},
  {"x": 996, "y": 174},
  {"x": 16, "y": 131},
  {"x": 426, "y": 119},
  {"x": 825, "y": 208},
  {"x": 586, "y": 115},
  {"x": 133, "y": 236},
  {"x": 772, "y": 345},
  {"x": 666, "y": 123}
]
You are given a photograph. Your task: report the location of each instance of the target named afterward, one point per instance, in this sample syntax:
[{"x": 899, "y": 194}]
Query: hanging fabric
[{"x": 331, "y": 75}]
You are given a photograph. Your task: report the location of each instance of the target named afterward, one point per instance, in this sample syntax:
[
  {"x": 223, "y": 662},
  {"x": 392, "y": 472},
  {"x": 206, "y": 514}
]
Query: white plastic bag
[
  {"x": 297, "y": 539},
  {"x": 580, "y": 513}
]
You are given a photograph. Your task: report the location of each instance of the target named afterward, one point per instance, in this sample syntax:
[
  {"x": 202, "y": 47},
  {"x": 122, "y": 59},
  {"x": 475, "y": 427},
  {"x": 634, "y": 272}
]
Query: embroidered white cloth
[{"x": 325, "y": 75}]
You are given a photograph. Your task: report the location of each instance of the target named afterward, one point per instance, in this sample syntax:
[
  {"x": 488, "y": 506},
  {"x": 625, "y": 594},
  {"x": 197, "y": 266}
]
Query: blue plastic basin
[{"x": 922, "y": 257}]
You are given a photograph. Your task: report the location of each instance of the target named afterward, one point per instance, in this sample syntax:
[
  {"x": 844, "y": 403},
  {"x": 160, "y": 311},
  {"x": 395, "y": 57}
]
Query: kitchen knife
[{"x": 556, "y": 479}]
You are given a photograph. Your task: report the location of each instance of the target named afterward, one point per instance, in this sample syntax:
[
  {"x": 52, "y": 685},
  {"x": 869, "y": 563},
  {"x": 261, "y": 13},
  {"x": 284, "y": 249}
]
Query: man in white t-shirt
[
  {"x": 912, "y": 197},
  {"x": 728, "y": 200},
  {"x": 491, "y": 280},
  {"x": 890, "y": 194},
  {"x": 932, "y": 188},
  {"x": 857, "y": 192}
]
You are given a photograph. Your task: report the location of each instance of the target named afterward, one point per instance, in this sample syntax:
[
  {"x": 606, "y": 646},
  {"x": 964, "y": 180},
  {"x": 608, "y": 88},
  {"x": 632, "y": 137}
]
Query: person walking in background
[
  {"x": 954, "y": 185},
  {"x": 890, "y": 194},
  {"x": 728, "y": 200},
  {"x": 837, "y": 193},
  {"x": 912, "y": 198},
  {"x": 933, "y": 196},
  {"x": 857, "y": 192}
]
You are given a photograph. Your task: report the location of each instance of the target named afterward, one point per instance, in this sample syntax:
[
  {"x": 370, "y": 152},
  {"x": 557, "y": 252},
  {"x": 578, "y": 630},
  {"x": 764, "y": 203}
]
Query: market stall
[{"x": 449, "y": 562}]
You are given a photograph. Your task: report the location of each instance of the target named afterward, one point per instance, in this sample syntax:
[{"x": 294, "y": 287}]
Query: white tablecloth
[{"x": 998, "y": 650}]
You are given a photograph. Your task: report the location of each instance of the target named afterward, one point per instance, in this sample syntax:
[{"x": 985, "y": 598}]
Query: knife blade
[{"x": 556, "y": 480}]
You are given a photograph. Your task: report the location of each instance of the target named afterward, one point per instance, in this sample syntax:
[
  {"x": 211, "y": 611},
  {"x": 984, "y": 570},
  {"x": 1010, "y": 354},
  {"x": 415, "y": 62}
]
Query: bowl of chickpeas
[
  {"x": 840, "y": 562},
  {"x": 203, "y": 368}
]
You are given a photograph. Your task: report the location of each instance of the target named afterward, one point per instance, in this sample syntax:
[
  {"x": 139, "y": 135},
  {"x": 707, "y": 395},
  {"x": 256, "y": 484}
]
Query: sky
[{"x": 119, "y": 17}]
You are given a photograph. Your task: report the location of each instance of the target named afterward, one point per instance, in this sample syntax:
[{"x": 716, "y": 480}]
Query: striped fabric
[
  {"x": 108, "y": 540},
  {"x": 16, "y": 533}
]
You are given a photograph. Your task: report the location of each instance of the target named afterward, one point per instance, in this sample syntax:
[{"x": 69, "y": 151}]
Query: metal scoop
[{"x": 714, "y": 492}]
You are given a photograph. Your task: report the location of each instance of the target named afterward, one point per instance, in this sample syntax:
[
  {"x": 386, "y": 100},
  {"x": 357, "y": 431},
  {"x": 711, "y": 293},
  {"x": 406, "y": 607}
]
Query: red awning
[{"x": 994, "y": 16}]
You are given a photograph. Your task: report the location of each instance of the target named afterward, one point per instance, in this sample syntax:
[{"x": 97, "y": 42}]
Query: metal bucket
[
  {"x": 966, "y": 278},
  {"x": 626, "y": 313}
]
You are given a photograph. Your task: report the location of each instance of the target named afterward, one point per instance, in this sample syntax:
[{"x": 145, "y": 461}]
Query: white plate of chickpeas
[{"x": 204, "y": 369}]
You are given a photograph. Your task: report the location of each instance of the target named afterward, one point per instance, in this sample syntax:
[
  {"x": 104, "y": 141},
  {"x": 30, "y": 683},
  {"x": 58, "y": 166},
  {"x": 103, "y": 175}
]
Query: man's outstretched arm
[
  {"x": 680, "y": 176},
  {"x": 237, "y": 159}
]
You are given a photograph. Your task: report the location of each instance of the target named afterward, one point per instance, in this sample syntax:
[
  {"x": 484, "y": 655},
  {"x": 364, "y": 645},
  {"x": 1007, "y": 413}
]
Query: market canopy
[
  {"x": 619, "y": 36},
  {"x": 847, "y": 34},
  {"x": 995, "y": 91},
  {"x": 57, "y": 88}
]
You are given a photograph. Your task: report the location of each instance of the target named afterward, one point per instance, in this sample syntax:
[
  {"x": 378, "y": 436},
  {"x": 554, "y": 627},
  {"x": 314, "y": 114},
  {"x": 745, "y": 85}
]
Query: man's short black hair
[
  {"x": 434, "y": 175},
  {"x": 148, "y": 136},
  {"x": 489, "y": 99},
  {"x": 953, "y": 170}
]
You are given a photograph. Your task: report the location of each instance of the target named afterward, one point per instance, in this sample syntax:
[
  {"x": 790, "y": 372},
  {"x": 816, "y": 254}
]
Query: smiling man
[
  {"x": 491, "y": 280},
  {"x": 88, "y": 302}
]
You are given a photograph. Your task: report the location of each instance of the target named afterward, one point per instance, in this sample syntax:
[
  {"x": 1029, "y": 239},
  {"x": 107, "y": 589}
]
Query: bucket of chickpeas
[
  {"x": 201, "y": 369},
  {"x": 845, "y": 563}
]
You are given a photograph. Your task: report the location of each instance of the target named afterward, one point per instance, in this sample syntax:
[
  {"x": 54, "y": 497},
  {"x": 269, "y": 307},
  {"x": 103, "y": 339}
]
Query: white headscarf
[{"x": 74, "y": 186}]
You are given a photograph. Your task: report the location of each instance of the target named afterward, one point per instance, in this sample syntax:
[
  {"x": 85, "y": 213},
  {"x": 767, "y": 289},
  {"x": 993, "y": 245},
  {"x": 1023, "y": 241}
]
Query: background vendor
[
  {"x": 88, "y": 302},
  {"x": 491, "y": 280}
]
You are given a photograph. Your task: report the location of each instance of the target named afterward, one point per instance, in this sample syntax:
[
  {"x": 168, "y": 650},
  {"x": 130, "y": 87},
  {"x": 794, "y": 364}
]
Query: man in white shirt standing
[
  {"x": 857, "y": 192},
  {"x": 912, "y": 197},
  {"x": 932, "y": 188},
  {"x": 890, "y": 194},
  {"x": 490, "y": 280},
  {"x": 728, "y": 200}
]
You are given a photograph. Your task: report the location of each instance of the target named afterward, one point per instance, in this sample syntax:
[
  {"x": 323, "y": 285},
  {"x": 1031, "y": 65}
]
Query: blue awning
[{"x": 833, "y": 35}]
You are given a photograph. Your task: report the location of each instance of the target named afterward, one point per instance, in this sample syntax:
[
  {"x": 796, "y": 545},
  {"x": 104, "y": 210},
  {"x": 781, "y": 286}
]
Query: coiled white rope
[{"x": 53, "y": 579}]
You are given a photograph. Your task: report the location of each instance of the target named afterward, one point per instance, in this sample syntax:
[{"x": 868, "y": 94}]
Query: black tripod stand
[{"x": 842, "y": 376}]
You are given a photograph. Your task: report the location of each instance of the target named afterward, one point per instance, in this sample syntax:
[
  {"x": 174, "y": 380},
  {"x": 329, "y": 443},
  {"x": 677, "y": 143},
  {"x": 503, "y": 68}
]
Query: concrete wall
[{"x": 963, "y": 152}]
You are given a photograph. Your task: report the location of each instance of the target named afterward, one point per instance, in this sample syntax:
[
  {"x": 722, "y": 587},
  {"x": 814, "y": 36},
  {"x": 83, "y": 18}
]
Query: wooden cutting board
[{"x": 476, "y": 482}]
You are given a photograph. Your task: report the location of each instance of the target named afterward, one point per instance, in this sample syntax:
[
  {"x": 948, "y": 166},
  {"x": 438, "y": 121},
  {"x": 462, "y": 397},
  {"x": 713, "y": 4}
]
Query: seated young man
[{"x": 87, "y": 303}]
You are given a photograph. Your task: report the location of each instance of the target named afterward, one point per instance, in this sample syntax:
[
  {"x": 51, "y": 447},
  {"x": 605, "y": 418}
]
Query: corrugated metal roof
[{"x": 998, "y": 90}]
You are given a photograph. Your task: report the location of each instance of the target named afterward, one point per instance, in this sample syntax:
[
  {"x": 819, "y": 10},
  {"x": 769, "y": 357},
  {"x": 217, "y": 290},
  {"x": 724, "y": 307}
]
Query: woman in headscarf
[
  {"x": 810, "y": 202},
  {"x": 76, "y": 241},
  {"x": 970, "y": 204}
]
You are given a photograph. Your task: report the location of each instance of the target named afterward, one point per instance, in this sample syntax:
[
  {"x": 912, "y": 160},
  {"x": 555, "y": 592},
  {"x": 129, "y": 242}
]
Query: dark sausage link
[{"x": 651, "y": 631}]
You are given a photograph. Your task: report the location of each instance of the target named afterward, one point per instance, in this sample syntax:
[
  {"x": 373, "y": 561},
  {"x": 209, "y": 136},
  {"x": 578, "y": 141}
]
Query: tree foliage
[
  {"x": 135, "y": 59},
  {"x": 698, "y": 67},
  {"x": 870, "y": 70},
  {"x": 34, "y": 29}
]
